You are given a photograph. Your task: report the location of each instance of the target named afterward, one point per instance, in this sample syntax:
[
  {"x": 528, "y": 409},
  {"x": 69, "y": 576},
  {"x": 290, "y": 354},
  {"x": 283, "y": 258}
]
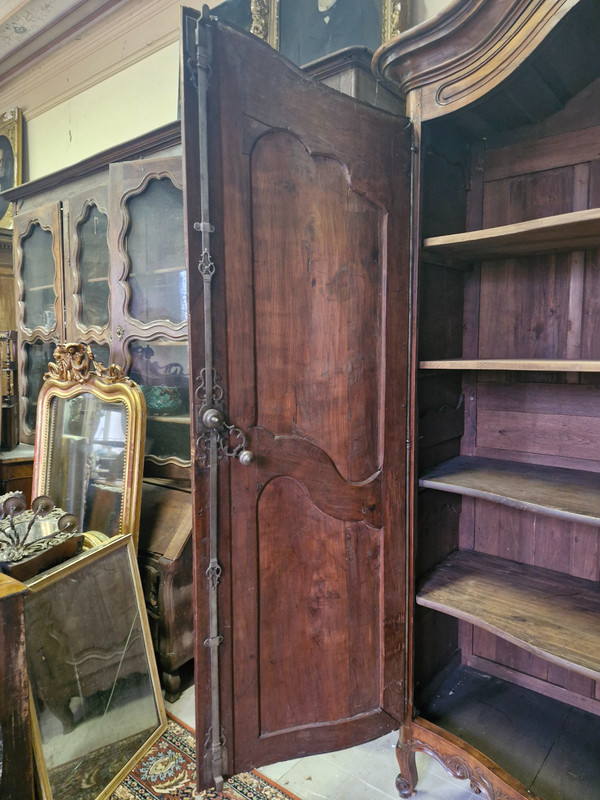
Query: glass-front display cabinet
[
  {"x": 149, "y": 316},
  {"x": 99, "y": 259}
]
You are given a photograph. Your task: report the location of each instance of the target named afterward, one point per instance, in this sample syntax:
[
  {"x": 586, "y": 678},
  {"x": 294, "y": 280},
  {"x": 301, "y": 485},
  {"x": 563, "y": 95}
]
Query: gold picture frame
[
  {"x": 266, "y": 20},
  {"x": 95, "y": 697},
  {"x": 11, "y": 136}
]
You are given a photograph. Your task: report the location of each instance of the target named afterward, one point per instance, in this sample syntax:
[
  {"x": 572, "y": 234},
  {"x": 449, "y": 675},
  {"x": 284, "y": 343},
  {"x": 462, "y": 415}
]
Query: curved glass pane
[
  {"x": 154, "y": 244},
  {"x": 37, "y": 356},
  {"x": 94, "y": 263},
  {"x": 38, "y": 279},
  {"x": 101, "y": 353},
  {"x": 160, "y": 367}
]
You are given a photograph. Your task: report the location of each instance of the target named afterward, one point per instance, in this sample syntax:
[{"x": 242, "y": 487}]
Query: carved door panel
[{"x": 303, "y": 265}]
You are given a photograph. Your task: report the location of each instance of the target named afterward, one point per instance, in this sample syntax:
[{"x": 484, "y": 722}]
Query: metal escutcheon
[{"x": 212, "y": 418}]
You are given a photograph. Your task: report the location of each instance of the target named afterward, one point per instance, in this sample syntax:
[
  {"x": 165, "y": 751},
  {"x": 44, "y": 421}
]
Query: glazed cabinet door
[
  {"x": 149, "y": 301},
  {"x": 39, "y": 301},
  {"x": 62, "y": 283},
  {"x": 298, "y": 220},
  {"x": 87, "y": 268}
]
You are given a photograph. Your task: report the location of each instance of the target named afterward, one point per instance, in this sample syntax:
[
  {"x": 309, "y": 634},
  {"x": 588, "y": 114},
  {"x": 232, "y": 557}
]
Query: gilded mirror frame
[
  {"x": 110, "y": 759},
  {"x": 75, "y": 373}
]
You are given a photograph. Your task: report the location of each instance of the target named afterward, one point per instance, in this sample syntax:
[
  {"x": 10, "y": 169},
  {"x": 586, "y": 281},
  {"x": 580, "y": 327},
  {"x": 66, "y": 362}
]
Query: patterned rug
[{"x": 168, "y": 772}]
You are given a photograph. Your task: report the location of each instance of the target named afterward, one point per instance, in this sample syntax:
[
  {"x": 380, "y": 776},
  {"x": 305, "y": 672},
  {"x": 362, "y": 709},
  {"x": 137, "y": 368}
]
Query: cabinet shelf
[
  {"x": 40, "y": 288},
  {"x": 564, "y": 493},
  {"x": 514, "y": 364},
  {"x": 180, "y": 420},
  {"x": 548, "y": 613},
  {"x": 158, "y": 271},
  {"x": 576, "y": 230}
]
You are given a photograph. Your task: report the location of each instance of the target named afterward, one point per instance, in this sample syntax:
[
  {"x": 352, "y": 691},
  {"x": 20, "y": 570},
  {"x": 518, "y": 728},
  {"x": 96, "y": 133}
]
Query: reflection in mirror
[
  {"x": 96, "y": 698},
  {"x": 86, "y": 459},
  {"x": 90, "y": 441}
]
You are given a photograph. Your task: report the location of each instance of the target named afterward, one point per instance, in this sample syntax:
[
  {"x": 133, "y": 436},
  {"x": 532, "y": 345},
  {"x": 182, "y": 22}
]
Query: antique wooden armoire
[{"x": 395, "y": 354}]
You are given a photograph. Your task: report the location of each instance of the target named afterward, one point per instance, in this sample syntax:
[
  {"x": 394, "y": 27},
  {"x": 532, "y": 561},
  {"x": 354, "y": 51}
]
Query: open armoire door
[{"x": 298, "y": 228}]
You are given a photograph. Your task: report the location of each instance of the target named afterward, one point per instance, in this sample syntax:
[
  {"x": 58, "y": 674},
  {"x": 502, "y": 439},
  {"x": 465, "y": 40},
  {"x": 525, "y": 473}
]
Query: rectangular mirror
[{"x": 96, "y": 699}]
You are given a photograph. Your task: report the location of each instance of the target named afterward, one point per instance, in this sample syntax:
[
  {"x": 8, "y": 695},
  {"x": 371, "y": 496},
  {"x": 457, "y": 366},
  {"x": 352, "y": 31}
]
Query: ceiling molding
[
  {"x": 133, "y": 30},
  {"x": 32, "y": 28}
]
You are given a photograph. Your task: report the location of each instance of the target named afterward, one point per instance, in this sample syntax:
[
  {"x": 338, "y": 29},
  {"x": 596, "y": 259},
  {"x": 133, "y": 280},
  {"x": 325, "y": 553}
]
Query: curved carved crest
[{"x": 75, "y": 363}]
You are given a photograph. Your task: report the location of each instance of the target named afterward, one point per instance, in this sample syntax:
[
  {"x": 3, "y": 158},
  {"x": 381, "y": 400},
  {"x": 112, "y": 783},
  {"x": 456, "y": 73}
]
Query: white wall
[{"x": 117, "y": 79}]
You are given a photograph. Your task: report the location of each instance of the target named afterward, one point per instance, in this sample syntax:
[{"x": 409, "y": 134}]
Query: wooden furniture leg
[{"x": 408, "y": 777}]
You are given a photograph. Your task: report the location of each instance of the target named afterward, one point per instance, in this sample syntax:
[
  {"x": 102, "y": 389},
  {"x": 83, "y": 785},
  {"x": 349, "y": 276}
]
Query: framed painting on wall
[
  {"x": 305, "y": 30},
  {"x": 10, "y": 160}
]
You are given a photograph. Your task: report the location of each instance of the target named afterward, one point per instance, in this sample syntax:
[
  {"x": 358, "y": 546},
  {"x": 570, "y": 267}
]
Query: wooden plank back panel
[
  {"x": 590, "y": 331},
  {"x": 440, "y": 334},
  {"x": 538, "y": 540},
  {"x": 540, "y": 398},
  {"x": 559, "y": 150},
  {"x": 594, "y": 184},
  {"x": 549, "y": 434},
  {"x": 524, "y": 197},
  {"x": 523, "y": 308},
  {"x": 523, "y": 665},
  {"x": 552, "y": 423}
]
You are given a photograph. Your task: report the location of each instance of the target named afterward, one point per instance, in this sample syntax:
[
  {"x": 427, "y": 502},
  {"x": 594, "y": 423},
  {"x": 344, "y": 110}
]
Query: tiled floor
[{"x": 367, "y": 772}]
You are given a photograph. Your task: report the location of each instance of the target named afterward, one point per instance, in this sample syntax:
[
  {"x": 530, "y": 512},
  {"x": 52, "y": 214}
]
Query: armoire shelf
[
  {"x": 576, "y": 230},
  {"x": 564, "y": 493},
  {"x": 514, "y": 364},
  {"x": 551, "y": 614}
]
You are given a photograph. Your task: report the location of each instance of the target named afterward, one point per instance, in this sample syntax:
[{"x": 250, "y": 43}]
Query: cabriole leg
[{"x": 408, "y": 777}]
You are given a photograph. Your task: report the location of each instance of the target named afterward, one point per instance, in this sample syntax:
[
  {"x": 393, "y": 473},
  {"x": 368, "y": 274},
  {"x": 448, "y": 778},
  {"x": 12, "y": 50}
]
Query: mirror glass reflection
[
  {"x": 86, "y": 466},
  {"x": 95, "y": 694}
]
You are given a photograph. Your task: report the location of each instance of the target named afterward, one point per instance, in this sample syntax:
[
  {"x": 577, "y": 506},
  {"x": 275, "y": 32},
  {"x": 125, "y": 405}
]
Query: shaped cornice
[{"x": 458, "y": 56}]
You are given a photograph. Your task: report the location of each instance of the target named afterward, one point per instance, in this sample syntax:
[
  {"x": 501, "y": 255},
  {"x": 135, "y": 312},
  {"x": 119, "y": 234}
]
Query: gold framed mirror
[
  {"x": 89, "y": 444},
  {"x": 96, "y": 703}
]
